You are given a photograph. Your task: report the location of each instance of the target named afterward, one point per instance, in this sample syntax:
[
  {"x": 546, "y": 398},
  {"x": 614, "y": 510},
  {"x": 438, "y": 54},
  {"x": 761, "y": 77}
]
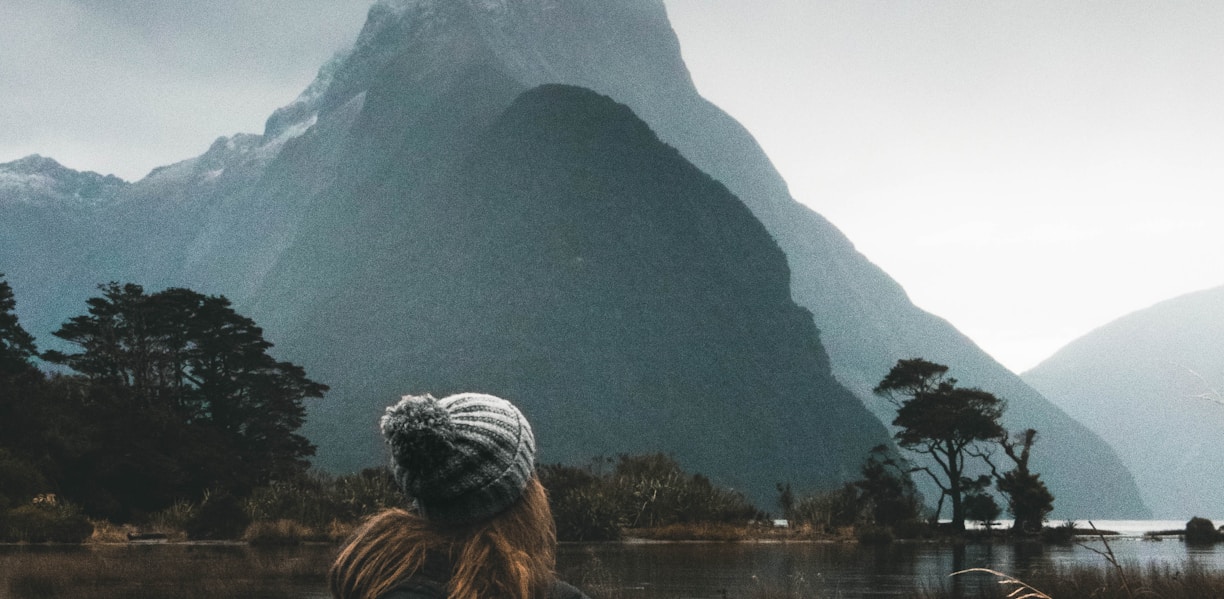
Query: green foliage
[
  {"x": 1062, "y": 534},
  {"x": 219, "y": 517},
  {"x": 45, "y": 523},
  {"x": 829, "y": 510},
  {"x": 17, "y": 348},
  {"x": 316, "y": 499},
  {"x": 981, "y": 507},
  {"x": 642, "y": 491},
  {"x": 872, "y": 534},
  {"x": 886, "y": 488},
  {"x": 1200, "y": 531},
  {"x": 176, "y": 395},
  {"x": 174, "y": 517},
  {"x": 660, "y": 493},
  {"x": 21, "y": 395},
  {"x": 1028, "y": 498},
  {"x": 20, "y": 481},
  {"x": 940, "y": 419},
  {"x": 588, "y": 511}
]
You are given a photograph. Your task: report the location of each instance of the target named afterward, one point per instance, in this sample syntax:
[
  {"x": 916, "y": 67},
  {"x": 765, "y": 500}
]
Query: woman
[{"x": 480, "y": 528}]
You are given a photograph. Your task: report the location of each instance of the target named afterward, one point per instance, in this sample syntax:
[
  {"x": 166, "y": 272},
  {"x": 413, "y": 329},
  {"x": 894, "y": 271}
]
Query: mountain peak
[
  {"x": 578, "y": 42},
  {"x": 41, "y": 181}
]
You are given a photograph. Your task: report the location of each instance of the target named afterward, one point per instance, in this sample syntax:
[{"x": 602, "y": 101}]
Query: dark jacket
[
  {"x": 428, "y": 589},
  {"x": 429, "y": 583}
]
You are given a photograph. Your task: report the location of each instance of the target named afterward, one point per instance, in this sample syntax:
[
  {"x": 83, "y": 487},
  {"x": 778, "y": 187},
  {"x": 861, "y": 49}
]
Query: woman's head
[
  {"x": 512, "y": 554},
  {"x": 468, "y": 463},
  {"x": 462, "y": 458}
]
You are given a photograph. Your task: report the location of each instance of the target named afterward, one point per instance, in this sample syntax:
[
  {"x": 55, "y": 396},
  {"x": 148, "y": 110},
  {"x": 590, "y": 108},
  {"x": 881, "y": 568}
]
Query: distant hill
[
  {"x": 1150, "y": 383},
  {"x": 423, "y": 77}
]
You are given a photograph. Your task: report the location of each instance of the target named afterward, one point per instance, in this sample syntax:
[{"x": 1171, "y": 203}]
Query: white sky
[{"x": 1027, "y": 170}]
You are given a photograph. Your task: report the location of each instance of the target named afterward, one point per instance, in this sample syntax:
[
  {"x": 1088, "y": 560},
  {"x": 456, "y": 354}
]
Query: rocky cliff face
[
  {"x": 426, "y": 74},
  {"x": 1150, "y": 383}
]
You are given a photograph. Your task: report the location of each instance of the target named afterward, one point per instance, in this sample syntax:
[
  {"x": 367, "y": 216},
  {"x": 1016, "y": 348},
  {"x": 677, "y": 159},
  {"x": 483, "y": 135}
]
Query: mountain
[
  {"x": 563, "y": 256},
  {"x": 1150, "y": 383},
  {"x": 425, "y": 75},
  {"x": 48, "y": 232}
]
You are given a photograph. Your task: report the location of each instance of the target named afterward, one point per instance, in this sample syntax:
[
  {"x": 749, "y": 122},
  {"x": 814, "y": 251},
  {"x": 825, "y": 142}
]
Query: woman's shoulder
[
  {"x": 426, "y": 589},
  {"x": 563, "y": 590}
]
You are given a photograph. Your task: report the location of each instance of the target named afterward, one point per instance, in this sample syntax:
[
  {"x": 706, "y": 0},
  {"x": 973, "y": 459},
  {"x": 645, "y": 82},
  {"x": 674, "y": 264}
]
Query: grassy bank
[{"x": 160, "y": 572}]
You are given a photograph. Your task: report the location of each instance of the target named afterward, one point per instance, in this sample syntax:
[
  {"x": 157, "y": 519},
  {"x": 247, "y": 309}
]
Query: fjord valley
[{"x": 644, "y": 313}]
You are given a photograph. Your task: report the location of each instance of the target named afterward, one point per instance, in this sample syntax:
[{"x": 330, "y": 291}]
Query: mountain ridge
[
  {"x": 625, "y": 50},
  {"x": 1150, "y": 383}
]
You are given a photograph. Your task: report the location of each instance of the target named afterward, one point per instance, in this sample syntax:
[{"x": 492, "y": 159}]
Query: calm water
[
  {"x": 655, "y": 571},
  {"x": 840, "y": 570},
  {"x": 714, "y": 571}
]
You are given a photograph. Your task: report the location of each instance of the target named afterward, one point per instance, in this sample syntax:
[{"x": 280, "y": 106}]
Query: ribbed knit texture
[{"x": 462, "y": 458}]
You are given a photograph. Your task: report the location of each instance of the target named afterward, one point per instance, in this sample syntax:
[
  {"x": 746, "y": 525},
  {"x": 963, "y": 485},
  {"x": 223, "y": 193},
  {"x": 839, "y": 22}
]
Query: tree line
[
  {"x": 170, "y": 403},
  {"x": 166, "y": 397}
]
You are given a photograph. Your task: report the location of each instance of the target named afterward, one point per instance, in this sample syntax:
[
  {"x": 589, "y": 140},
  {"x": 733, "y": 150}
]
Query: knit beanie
[{"x": 462, "y": 458}]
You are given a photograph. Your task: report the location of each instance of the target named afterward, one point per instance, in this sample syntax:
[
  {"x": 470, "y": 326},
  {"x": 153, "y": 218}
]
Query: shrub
[
  {"x": 642, "y": 491},
  {"x": 1060, "y": 535},
  {"x": 829, "y": 510},
  {"x": 45, "y": 524},
  {"x": 1201, "y": 531},
  {"x": 279, "y": 532},
  {"x": 873, "y": 534},
  {"x": 911, "y": 529},
  {"x": 587, "y": 514},
  {"x": 316, "y": 499},
  {"x": 19, "y": 481},
  {"x": 218, "y": 517}
]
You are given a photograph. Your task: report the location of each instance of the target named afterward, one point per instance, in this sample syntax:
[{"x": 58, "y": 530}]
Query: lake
[{"x": 632, "y": 570}]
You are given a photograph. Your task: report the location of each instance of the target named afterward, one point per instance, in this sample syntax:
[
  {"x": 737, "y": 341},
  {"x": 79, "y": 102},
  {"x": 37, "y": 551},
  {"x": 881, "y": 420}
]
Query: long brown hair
[{"x": 511, "y": 555}]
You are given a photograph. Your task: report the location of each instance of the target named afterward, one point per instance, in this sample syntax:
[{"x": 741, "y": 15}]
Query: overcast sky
[{"x": 1027, "y": 170}]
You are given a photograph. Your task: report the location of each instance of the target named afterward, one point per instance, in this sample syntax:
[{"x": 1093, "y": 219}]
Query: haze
[{"x": 1028, "y": 171}]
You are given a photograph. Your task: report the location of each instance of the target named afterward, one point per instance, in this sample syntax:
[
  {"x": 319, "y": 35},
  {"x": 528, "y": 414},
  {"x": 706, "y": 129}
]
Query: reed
[{"x": 1187, "y": 581}]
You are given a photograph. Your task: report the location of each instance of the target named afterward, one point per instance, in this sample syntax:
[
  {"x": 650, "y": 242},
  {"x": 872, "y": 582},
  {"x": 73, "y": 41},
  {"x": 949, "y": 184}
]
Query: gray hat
[{"x": 463, "y": 458}]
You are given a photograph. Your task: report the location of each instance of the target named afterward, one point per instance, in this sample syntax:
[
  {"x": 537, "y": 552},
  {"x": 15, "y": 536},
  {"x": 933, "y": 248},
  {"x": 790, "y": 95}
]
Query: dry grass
[
  {"x": 155, "y": 572},
  {"x": 104, "y": 532},
  {"x": 1106, "y": 582}
]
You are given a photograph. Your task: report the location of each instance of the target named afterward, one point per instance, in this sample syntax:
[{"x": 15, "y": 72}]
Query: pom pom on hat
[
  {"x": 462, "y": 458},
  {"x": 420, "y": 433}
]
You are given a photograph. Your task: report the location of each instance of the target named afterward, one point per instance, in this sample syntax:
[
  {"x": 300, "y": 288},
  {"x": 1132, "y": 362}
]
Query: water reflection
[
  {"x": 635, "y": 571},
  {"x": 715, "y": 571}
]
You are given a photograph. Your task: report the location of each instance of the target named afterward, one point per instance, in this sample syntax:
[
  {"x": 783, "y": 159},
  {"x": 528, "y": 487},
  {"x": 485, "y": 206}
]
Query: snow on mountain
[{"x": 42, "y": 182}]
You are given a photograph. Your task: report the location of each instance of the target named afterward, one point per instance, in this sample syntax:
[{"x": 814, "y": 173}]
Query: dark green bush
[
  {"x": 912, "y": 529},
  {"x": 641, "y": 491},
  {"x": 874, "y": 534},
  {"x": 1062, "y": 534},
  {"x": 316, "y": 499},
  {"x": 219, "y": 517},
  {"x": 587, "y": 514},
  {"x": 19, "y": 481},
  {"x": 830, "y": 510},
  {"x": 45, "y": 524},
  {"x": 1201, "y": 531}
]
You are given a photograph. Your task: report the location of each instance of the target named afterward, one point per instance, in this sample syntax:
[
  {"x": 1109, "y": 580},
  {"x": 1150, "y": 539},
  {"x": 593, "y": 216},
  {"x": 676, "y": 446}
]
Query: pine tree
[{"x": 183, "y": 397}]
